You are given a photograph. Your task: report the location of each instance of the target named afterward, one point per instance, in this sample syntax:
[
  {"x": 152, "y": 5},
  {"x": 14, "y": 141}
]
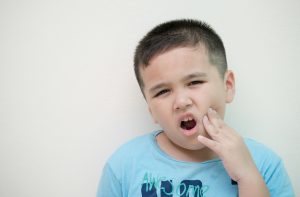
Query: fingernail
[
  {"x": 210, "y": 110},
  {"x": 205, "y": 118},
  {"x": 213, "y": 111},
  {"x": 199, "y": 137}
]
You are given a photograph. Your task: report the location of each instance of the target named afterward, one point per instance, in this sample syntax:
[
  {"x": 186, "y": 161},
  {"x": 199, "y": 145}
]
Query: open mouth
[{"x": 188, "y": 123}]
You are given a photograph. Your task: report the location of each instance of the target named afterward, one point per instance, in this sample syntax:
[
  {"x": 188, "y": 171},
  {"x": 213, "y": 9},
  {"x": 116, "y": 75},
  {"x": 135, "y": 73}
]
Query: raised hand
[{"x": 233, "y": 152}]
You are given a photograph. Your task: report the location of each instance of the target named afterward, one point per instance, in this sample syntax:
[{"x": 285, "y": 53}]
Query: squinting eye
[
  {"x": 161, "y": 92},
  {"x": 195, "y": 82}
]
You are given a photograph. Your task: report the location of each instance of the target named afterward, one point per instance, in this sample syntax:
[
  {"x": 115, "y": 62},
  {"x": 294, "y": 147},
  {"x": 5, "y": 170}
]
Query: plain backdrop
[{"x": 69, "y": 99}]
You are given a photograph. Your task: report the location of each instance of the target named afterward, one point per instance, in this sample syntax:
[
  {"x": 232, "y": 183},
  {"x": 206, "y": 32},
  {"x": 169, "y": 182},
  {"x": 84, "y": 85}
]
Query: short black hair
[{"x": 179, "y": 33}]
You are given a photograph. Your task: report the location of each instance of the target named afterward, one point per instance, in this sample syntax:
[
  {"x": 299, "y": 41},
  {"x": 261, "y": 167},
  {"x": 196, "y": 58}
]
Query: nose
[{"x": 182, "y": 101}]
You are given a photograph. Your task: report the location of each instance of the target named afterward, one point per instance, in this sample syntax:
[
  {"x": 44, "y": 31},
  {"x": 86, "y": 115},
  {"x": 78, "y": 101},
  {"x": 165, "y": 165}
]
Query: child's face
[{"x": 180, "y": 85}]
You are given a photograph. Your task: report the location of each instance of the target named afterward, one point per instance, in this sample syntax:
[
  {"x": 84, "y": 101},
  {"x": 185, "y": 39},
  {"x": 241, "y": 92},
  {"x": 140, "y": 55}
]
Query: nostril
[{"x": 182, "y": 104}]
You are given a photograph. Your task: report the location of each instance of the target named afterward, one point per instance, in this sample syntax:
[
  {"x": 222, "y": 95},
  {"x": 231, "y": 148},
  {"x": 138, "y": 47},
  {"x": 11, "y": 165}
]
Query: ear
[{"x": 229, "y": 83}]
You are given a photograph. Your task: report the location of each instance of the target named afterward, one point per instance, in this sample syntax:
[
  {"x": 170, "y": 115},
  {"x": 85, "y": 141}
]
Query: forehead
[
  {"x": 182, "y": 53},
  {"x": 176, "y": 63}
]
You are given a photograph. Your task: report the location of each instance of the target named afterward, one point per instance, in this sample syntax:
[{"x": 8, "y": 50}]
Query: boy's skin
[{"x": 182, "y": 84}]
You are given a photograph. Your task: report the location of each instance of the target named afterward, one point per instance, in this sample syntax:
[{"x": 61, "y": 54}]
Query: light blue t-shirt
[{"x": 140, "y": 168}]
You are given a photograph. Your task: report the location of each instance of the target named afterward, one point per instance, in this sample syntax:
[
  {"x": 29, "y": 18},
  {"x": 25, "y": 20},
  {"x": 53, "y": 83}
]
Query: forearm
[{"x": 253, "y": 185}]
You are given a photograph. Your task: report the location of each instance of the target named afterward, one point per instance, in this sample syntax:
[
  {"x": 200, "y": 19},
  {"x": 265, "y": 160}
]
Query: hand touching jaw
[{"x": 233, "y": 152}]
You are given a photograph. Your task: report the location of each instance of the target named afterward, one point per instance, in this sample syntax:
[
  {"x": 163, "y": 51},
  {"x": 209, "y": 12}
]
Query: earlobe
[{"x": 230, "y": 86}]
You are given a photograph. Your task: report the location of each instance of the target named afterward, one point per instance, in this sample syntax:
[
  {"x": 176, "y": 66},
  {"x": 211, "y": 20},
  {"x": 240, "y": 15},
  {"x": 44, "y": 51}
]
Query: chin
[
  {"x": 197, "y": 147},
  {"x": 194, "y": 146}
]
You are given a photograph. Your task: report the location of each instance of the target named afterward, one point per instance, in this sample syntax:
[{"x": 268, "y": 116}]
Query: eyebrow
[
  {"x": 195, "y": 75},
  {"x": 187, "y": 77},
  {"x": 157, "y": 87}
]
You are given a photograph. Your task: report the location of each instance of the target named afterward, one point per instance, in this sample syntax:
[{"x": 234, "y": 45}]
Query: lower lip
[{"x": 190, "y": 132}]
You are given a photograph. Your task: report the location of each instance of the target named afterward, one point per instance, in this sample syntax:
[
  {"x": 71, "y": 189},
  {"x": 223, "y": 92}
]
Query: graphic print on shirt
[{"x": 153, "y": 186}]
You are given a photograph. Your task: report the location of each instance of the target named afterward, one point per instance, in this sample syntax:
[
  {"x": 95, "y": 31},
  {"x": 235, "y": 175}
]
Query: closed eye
[
  {"x": 196, "y": 82},
  {"x": 164, "y": 91}
]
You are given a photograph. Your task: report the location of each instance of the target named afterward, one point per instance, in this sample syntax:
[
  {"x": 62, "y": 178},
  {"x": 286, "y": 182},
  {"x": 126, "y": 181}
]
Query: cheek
[
  {"x": 218, "y": 103},
  {"x": 164, "y": 117},
  {"x": 211, "y": 98},
  {"x": 204, "y": 99},
  {"x": 158, "y": 112}
]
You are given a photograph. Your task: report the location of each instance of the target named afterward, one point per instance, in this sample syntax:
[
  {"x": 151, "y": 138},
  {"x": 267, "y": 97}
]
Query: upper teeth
[{"x": 187, "y": 119}]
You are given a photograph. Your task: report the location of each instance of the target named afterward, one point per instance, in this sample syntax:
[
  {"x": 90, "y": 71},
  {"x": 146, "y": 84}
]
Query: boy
[{"x": 182, "y": 71}]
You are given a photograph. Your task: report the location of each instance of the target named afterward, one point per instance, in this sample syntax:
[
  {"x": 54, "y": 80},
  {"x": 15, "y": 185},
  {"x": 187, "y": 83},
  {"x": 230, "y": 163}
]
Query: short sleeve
[
  {"x": 109, "y": 185},
  {"x": 272, "y": 169},
  {"x": 278, "y": 181}
]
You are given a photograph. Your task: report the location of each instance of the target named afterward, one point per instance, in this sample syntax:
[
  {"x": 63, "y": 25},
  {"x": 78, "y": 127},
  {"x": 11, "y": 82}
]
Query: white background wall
[{"x": 68, "y": 96}]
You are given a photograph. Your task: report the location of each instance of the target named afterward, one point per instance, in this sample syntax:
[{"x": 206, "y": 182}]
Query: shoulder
[
  {"x": 260, "y": 151},
  {"x": 132, "y": 149},
  {"x": 251, "y": 143},
  {"x": 127, "y": 158},
  {"x": 118, "y": 168},
  {"x": 266, "y": 160}
]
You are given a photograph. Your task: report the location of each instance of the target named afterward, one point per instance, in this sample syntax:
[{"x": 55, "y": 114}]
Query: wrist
[
  {"x": 250, "y": 175},
  {"x": 252, "y": 185}
]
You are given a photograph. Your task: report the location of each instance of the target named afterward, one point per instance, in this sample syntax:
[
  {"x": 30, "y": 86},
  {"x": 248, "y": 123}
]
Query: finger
[
  {"x": 210, "y": 129},
  {"x": 215, "y": 119},
  {"x": 211, "y": 144},
  {"x": 220, "y": 126}
]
